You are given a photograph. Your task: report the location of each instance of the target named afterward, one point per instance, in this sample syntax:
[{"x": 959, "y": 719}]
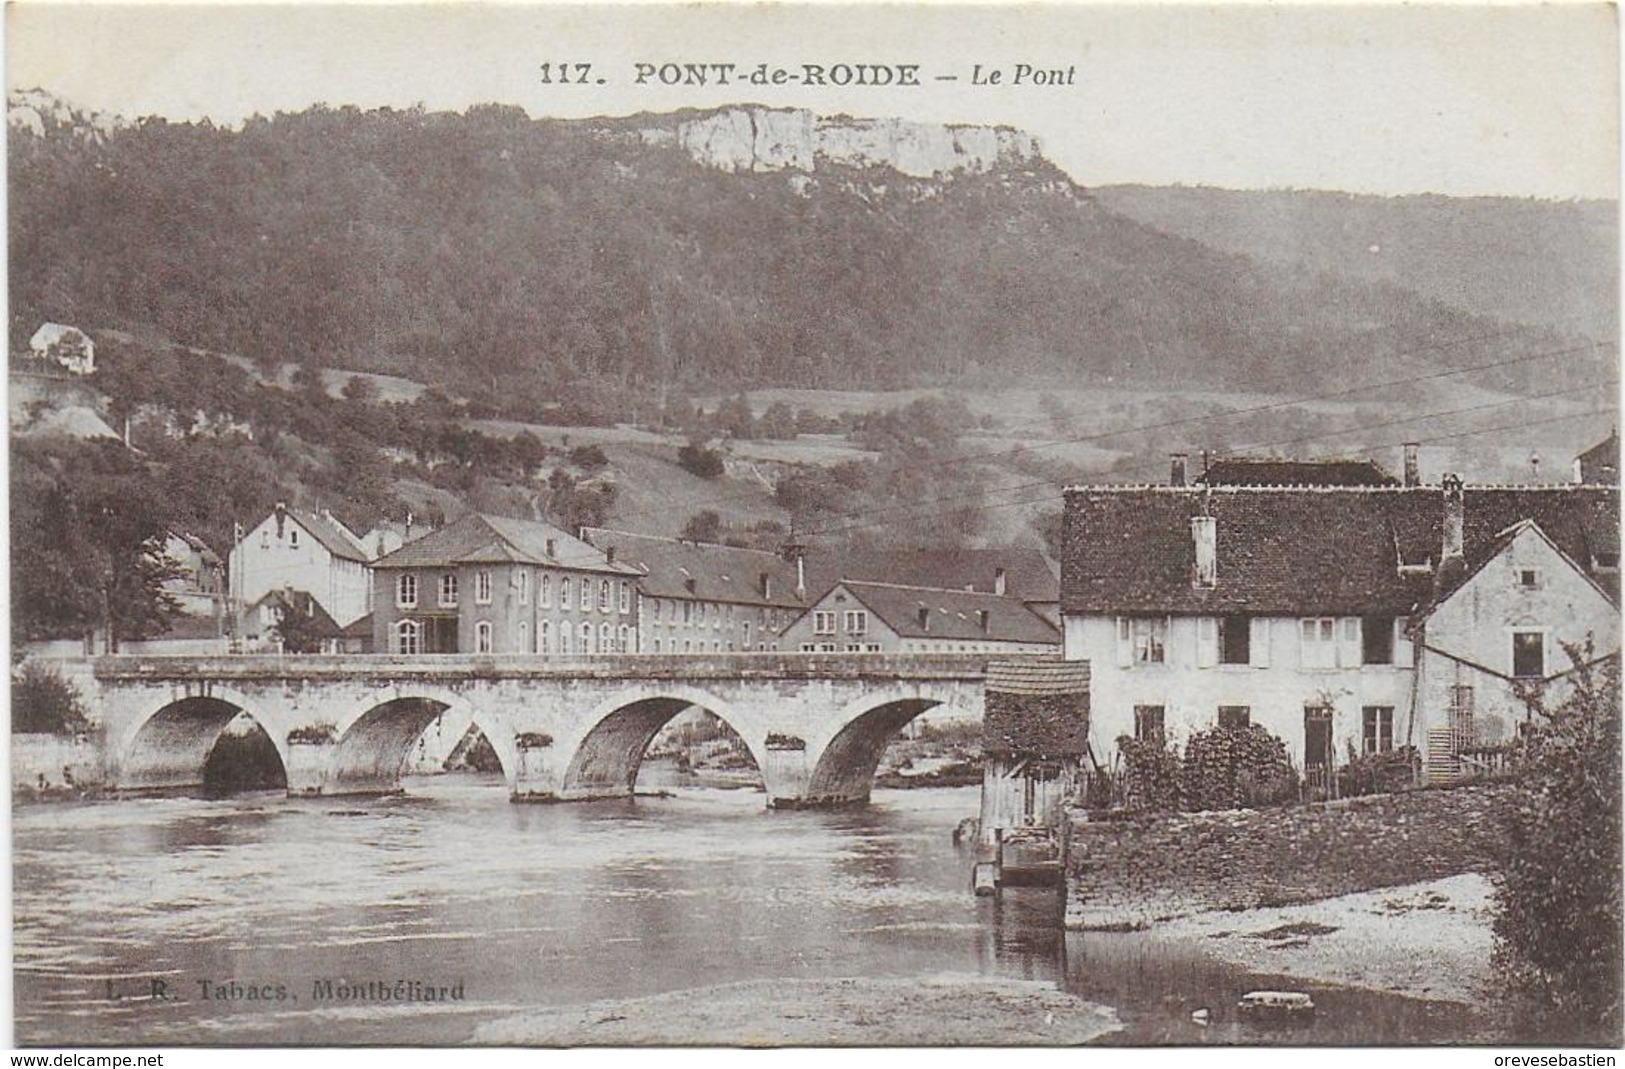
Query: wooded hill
[{"x": 530, "y": 261}]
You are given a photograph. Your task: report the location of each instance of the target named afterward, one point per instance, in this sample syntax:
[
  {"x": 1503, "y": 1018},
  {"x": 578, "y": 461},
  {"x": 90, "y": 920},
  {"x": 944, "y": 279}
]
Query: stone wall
[
  {"x": 46, "y": 766},
  {"x": 1133, "y": 872}
]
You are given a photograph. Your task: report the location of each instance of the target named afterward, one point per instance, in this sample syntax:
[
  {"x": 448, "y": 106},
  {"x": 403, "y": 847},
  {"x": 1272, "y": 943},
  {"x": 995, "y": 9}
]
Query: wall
[
  {"x": 712, "y": 627},
  {"x": 1275, "y": 687},
  {"x": 55, "y": 765},
  {"x": 1133, "y": 872}
]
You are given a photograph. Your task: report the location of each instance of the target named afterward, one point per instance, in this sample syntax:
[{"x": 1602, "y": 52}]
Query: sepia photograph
[{"x": 921, "y": 525}]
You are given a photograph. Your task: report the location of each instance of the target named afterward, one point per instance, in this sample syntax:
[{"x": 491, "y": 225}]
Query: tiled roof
[
  {"x": 1276, "y": 471},
  {"x": 1028, "y": 575},
  {"x": 300, "y": 602},
  {"x": 1600, "y": 463},
  {"x": 361, "y": 628},
  {"x": 719, "y": 573},
  {"x": 1039, "y": 677},
  {"x": 951, "y": 614},
  {"x": 338, "y": 539},
  {"x": 478, "y": 539},
  {"x": 1303, "y": 551}
]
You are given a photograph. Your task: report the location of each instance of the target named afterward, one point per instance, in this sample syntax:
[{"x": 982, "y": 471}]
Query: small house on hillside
[{"x": 67, "y": 347}]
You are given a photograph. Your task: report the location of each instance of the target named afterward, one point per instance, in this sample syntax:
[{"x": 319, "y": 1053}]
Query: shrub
[
  {"x": 43, "y": 702},
  {"x": 1380, "y": 773},
  {"x": 1150, "y": 775},
  {"x": 698, "y": 460},
  {"x": 1558, "y": 923},
  {"x": 1236, "y": 768}
]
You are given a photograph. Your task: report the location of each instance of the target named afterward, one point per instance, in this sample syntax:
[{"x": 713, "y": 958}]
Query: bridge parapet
[{"x": 636, "y": 666}]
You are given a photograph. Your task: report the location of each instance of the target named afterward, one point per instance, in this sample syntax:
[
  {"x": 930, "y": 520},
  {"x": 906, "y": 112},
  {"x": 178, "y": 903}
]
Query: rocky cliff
[{"x": 776, "y": 139}]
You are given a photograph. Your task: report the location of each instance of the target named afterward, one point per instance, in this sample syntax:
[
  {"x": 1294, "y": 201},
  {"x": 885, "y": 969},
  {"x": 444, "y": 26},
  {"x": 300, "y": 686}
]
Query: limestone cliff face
[{"x": 769, "y": 139}]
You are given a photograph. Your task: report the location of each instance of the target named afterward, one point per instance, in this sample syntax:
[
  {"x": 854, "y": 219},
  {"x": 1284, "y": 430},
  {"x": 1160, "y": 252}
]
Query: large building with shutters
[{"x": 1344, "y": 619}]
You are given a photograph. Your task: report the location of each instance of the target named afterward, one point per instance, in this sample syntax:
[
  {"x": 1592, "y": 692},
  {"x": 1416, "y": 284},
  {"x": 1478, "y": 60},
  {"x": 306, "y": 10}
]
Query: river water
[{"x": 534, "y": 906}]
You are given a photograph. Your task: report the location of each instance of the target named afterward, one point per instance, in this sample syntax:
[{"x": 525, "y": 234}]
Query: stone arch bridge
[{"x": 816, "y": 724}]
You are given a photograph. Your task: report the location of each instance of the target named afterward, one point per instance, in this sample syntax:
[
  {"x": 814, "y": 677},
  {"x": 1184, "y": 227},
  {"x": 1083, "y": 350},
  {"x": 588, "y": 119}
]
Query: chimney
[
  {"x": 1451, "y": 561},
  {"x": 281, "y": 518},
  {"x": 764, "y": 582},
  {"x": 981, "y": 618},
  {"x": 609, "y": 554},
  {"x": 1579, "y": 471},
  {"x": 689, "y": 584},
  {"x": 553, "y": 548},
  {"x": 1204, "y": 534},
  {"x": 1413, "y": 464},
  {"x": 1534, "y": 466},
  {"x": 801, "y": 576},
  {"x": 998, "y": 581},
  {"x": 1207, "y": 461},
  {"x": 925, "y": 618},
  {"x": 1176, "y": 476}
]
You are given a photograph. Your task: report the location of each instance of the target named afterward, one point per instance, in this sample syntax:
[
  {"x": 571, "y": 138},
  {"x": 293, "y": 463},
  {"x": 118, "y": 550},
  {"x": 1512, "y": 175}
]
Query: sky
[{"x": 1464, "y": 99}]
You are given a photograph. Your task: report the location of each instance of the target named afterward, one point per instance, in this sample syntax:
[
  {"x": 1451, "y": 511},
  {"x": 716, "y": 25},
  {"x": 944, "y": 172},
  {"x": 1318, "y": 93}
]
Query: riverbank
[
  {"x": 1429, "y": 940},
  {"x": 948, "y": 1010}
]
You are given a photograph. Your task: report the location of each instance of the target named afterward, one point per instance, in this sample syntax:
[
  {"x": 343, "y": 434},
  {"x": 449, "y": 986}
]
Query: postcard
[{"x": 833, "y": 525}]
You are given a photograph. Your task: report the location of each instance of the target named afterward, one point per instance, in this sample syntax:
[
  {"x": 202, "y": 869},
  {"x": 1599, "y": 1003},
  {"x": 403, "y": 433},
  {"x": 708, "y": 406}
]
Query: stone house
[
  {"x": 258, "y": 629},
  {"x": 488, "y": 584},
  {"x": 697, "y": 597},
  {"x": 1337, "y": 617},
  {"x": 865, "y": 617},
  {"x": 301, "y": 550}
]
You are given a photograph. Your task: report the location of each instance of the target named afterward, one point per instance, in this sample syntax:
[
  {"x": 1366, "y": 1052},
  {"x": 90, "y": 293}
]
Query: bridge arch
[
  {"x": 168, "y": 748},
  {"x": 845, "y": 770},
  {"x": 606, "y": 759},
  {"x": 373, "y": 737}
]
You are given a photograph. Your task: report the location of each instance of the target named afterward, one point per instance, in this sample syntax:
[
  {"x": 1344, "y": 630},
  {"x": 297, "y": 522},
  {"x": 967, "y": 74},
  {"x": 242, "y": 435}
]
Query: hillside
[
  {"x": 596, "y": 262},
  {"x": 1527, "y": 261}
]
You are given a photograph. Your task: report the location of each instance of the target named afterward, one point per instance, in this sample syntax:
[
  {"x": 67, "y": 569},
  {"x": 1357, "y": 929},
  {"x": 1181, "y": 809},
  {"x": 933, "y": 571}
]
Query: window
[
  {"x": 871, "y": 647},
  {"x": 1528, "y": 654},
  {"x": 265, "y": 538},
  {"x": 808, "y": 647},
  {"x": 603, "y": 595},
  {"x": 544, "y": 637},
  {"x": 406, "y": 591},
  {"x": 857, "y": 622},
  {"x": 746, "y": 627},
  {"x": 293, "y": 538},
  {"x": 1529, "y": 578},
  {"x": 657, "y": 645},
  {"x": 1150, "y": 639},
  {"x": 482, "y": 587},
  {"x": 586, "y": 632},
  {"x": 544, "y": 592},
  {"x": 1378, "y": 734},
  {"x": 524, "y": 636},
  {"x": 626, "y": 596},
  {"x": 448, "y": 590},
  {"x": 606, "y": 638},
  {"x": 564, "y": 593},
  {"x": 1235, "y": 640},
  {"x": 1149, "y": 723},
  {"x": 524, "y": 586},
  {"x": 564, "y": 639},
  {"x": 407, "y": 637},
  {"x": 624, "y": 639},
  {"x": 688, "y": 612},
  {"x": 1377, "y": 640},
  {"x": 482, "y": 637},
  {"x": 1235, "y": 716},
  {"x": 586, "y": 594},
  {"x": 823, "y": 623},
  {"x": 1319, "y": 648}
]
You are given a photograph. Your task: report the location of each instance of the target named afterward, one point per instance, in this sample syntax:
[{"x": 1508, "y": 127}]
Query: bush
[
  {"x": 698, "y": 460},
  {"x": 1236, "y": 768},
  {"x": 42, "y": 702},
  {"x": 1150, "y": 775},
  {"x": 1558, "y": 923},
  {"x": 1380, "y": 773}
]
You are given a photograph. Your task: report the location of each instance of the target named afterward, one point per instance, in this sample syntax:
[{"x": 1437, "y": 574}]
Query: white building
[
  {"x": 292, "y": 549},
  {"x": 68, "y": 346},
  {"x": 1340, "y": 618}
]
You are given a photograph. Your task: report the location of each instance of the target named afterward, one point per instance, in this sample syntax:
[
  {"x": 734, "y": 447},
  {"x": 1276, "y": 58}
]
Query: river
[{"x": 535, "y": 906}]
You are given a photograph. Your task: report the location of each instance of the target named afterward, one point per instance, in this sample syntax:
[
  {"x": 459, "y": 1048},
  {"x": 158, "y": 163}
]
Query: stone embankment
[{"x": 1131, "y": 873}]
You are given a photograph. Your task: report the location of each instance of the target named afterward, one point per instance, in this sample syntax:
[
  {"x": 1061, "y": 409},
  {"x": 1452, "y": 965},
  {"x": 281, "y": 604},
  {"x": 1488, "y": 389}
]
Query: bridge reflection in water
[{"x": 815, "y": 724}]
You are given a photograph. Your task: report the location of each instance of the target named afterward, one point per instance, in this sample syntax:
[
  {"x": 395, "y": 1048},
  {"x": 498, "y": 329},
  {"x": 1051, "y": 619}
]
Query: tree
[
  {"x": 1558, "y": 923},
  {"x": 43, "y": 702},
  {"x": 696, "y": 459},
  {"x": 703, "y": 526},
  {"x": 298, "y": 632}
]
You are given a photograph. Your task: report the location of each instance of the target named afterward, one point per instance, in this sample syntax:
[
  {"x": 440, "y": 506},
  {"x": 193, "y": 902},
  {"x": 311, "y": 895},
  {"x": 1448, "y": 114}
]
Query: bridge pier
[{"x": 306, "y": 765}]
